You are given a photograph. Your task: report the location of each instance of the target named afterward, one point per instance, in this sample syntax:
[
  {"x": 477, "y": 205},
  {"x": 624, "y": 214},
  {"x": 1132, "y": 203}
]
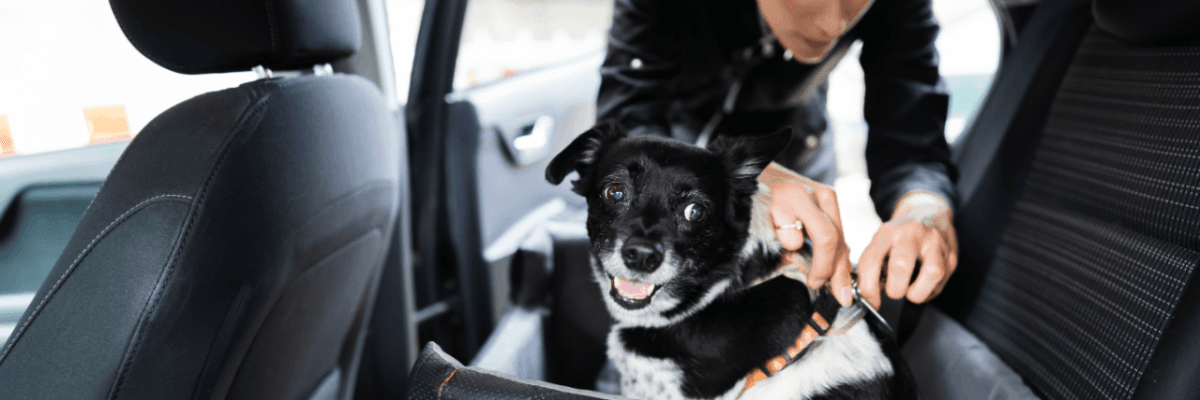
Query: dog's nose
[{"x": 642, "y": 254}]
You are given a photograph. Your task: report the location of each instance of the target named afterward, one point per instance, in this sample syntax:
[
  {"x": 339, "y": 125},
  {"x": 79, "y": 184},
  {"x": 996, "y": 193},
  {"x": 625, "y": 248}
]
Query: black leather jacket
[{"x": 671, "y": 63}]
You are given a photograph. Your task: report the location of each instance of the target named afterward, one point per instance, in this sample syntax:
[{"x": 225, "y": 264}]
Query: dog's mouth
[{"x": 631, "y": 294}]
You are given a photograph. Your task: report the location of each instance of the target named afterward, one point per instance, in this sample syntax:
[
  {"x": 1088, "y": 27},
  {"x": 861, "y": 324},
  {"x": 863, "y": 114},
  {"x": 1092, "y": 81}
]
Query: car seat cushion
[
  {"x": 941, "y": 348},
  {"x": 1105, "y": 235}
]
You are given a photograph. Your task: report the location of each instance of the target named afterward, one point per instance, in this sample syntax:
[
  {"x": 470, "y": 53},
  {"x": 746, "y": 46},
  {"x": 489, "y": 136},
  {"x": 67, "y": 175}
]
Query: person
[{"x": 692, "y": 69}]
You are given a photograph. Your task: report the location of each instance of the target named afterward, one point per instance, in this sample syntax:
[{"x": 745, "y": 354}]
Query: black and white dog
[{"x": 685, "y": 252}]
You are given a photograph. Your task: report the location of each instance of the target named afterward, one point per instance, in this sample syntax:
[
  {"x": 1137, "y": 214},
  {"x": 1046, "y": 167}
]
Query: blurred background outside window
[
  {"x": 502, "y": 38},
  {"x": 404, "y": 22},
  {"x": 69, "y": 78}
]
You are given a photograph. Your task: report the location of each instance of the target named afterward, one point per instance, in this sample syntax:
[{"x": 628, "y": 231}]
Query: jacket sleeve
[
  {"x": 905, "y": 106},
  {"x": 641, "y": 64}
]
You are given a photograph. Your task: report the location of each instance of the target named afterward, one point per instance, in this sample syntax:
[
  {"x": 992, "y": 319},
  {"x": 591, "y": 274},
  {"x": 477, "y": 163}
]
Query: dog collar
[{"x": 824, "y": 312}]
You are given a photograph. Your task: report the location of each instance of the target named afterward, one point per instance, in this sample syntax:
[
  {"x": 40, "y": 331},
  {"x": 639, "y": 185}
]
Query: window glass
[
  {"x": 969, "y": 47},
  {"x": 70, "y": 78},
  {"x": 404, "y": 23},
  {"x": 502, "y": 38}
]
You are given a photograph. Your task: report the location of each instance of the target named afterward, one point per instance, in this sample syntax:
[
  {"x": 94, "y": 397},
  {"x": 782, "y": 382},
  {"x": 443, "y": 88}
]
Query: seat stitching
[
  {"x": 54, "y": 289},
  {"x": 443, "y": 387},
  {"x": 246, "y": 118}
]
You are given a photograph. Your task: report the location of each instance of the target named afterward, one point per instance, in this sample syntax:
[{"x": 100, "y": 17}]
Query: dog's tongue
[{"x": 633, "y": 289}]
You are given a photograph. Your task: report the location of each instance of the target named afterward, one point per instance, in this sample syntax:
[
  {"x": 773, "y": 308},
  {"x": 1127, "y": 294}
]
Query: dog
[{"x": 683, "y": 249}]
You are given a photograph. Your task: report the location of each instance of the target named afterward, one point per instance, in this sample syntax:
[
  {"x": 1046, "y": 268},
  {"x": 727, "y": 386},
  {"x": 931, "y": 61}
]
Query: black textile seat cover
[
  {"x": 1093, "y": 270},
  {"x": 232, "y": 252},
  {"x": 437, "y": 375},
  {"x": 1148, "y": 21}
]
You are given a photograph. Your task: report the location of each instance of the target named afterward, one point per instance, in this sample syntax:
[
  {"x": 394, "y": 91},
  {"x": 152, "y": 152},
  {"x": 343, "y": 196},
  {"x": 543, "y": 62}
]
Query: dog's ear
[
  {"x": 746, "y": 156},
  {"x": 580, "y": 155}
]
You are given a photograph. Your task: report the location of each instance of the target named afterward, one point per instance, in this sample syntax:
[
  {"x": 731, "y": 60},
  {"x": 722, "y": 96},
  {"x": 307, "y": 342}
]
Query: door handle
[{"x": 533, "y": 144}]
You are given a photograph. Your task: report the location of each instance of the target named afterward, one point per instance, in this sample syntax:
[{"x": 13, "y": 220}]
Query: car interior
[{"x": 364, "y": 220}]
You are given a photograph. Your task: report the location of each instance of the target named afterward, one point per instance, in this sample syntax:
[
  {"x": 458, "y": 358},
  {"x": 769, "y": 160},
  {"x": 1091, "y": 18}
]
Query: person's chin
[
  {"x": 812, "y": 55},
  {"x": 808, "y": 51}
]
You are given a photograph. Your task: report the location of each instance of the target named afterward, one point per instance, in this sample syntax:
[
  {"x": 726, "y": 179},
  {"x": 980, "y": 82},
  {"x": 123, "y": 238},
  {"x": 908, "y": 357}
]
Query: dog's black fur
[{"x": 701, "y": 316}]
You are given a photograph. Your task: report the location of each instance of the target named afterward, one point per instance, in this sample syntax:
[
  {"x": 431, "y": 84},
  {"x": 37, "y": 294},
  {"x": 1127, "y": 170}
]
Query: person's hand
[
  {"x": 921, "y": 231},
  {"x": 795, "y": 198}
]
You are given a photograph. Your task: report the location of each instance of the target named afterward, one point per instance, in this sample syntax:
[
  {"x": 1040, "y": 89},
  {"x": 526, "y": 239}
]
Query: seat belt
[
  {"x": 978, "y": 147},
  {"x": 996, "y": 148}
]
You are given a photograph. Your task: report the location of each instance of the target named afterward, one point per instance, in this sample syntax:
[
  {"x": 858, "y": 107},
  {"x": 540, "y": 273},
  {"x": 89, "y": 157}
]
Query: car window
[
  {"x": 404, "y": 23},
  {"x": 969, "y": 50},
  {"x": 503, "y": 38},
  {"x": 70, "y": 78},
  {"x": 969, "y": 46}
]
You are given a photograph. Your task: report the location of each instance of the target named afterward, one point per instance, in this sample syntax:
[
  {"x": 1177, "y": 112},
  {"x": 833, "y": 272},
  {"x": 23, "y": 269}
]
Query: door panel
[
  {"x": 90, "y": 163},
  {"x": 508, "y": 110},
  {"x": 498, "y": 87},
  {"x": 548, "y": 107}
]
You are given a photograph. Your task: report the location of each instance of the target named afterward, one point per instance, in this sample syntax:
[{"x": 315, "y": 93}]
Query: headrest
[
  {"x": 204, "y": 36},
  {"x": 1148, "y": 21}
]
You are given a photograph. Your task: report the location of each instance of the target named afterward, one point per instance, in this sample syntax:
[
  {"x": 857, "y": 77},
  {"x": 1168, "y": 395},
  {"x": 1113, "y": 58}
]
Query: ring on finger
[{"x": 798, "y": 225}]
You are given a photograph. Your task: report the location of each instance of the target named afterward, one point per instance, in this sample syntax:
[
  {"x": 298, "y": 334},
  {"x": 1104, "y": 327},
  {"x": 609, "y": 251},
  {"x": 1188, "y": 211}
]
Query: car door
[{"x": 498, "y": 88}]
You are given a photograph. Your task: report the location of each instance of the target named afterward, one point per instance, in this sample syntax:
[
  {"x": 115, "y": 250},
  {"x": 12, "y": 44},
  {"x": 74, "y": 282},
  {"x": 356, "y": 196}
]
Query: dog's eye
[
  {"x": 615, "y": 193},
  {"x": 694, "y": 212}
]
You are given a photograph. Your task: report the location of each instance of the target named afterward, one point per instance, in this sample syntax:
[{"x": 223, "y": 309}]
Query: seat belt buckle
[{"x": 862, "y": 302}]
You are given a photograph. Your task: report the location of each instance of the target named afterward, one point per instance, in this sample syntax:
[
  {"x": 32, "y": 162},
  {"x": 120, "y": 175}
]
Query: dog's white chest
[
  {"x": 853, "y": 356},
  {"x": 848, "y": 358},
  {"x": 645, "y": 377}
]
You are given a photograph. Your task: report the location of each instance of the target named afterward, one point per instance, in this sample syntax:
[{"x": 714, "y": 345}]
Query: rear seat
[
  {"x": 1079, "y": 227},
  {"x": 1081, "y": 230}
]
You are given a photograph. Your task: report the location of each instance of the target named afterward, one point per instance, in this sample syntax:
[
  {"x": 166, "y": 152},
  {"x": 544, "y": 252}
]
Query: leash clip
[{"x": 858, "y": 299}]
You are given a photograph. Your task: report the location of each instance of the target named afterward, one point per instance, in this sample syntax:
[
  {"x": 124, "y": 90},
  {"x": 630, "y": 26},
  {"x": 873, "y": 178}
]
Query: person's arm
[
  {"x": 905, "y": 105},
  {"x": 908, "y": 160},
  {"x": 641, "y": 64}
]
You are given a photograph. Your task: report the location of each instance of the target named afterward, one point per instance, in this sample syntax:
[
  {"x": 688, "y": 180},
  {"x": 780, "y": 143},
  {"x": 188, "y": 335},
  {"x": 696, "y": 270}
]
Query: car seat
[
  {"x": 234, "y": 250},
  {"x": 1080, "y": 216}
]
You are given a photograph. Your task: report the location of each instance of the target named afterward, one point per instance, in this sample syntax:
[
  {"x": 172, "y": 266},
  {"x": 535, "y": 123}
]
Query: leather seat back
[{"x": 234, "y": 250}]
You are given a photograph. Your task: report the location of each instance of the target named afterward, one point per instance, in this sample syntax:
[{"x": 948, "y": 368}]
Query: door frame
[{"x": 450, "y": 277}]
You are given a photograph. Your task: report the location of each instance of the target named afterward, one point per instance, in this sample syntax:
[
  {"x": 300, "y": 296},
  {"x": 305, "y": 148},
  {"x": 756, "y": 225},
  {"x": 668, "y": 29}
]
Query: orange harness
[{"x": 825, "y": 310}]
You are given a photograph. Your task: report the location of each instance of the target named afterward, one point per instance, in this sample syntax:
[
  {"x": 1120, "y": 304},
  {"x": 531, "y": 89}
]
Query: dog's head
[{"x": 668, "y": 222}]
